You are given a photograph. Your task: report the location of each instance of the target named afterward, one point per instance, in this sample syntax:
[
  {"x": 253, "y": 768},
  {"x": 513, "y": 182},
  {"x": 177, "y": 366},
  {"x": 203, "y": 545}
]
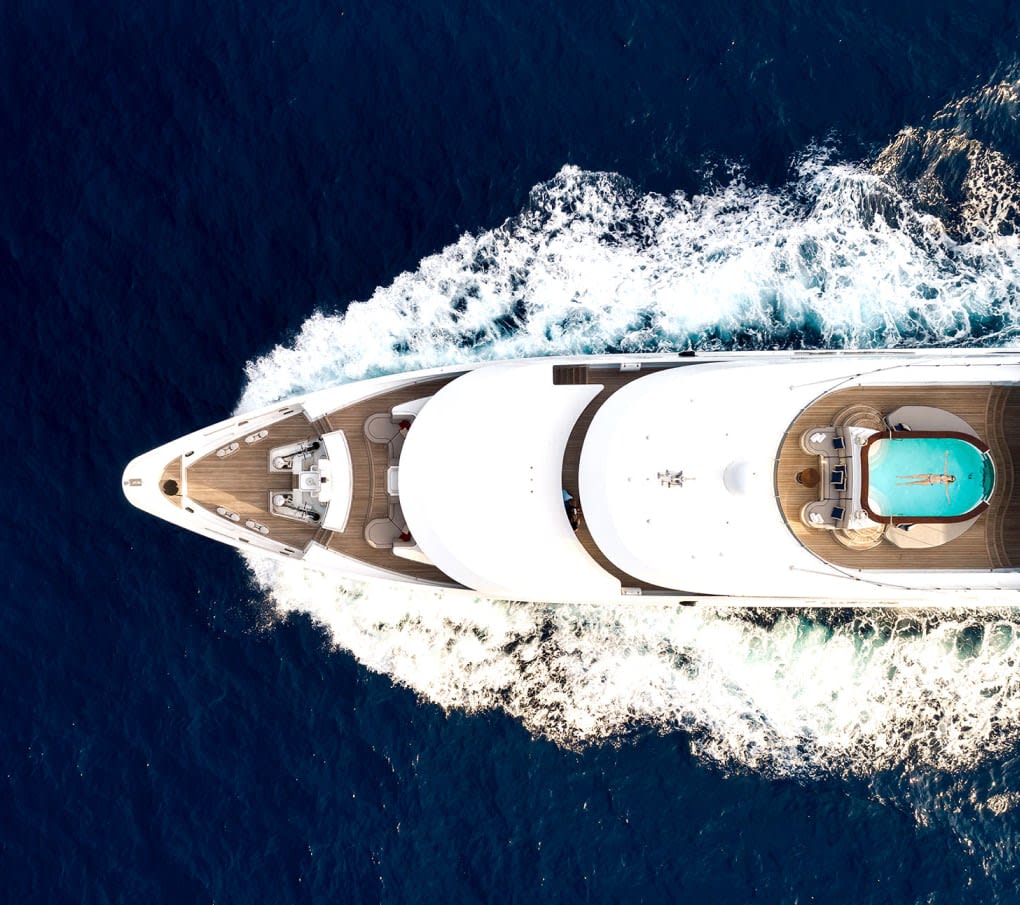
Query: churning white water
[{"x": 839, "y": 257}]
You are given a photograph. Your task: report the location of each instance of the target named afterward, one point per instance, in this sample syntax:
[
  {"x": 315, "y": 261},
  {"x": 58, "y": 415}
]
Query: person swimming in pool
[
  {"x": 928, "y": 479},
  {"x": 907, "y": 480}
]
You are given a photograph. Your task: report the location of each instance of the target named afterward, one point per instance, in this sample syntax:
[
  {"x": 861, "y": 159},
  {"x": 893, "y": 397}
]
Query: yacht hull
[{"x": 674, "y": 479}]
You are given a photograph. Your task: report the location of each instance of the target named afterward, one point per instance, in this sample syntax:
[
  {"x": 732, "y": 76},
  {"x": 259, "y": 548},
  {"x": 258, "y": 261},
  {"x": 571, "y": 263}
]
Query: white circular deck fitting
[{"x": 740, "y": 477}]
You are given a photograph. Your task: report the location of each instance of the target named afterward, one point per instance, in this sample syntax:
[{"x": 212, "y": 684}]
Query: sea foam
[{"x": 838, "y": 258}]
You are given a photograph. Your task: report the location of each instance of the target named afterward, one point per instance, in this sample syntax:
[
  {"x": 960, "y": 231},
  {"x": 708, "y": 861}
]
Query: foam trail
[
  {"x": 960, "y": 168},
  {"x": 839, "y": 258},
  {"x": 842, "y": 256},
  {"x": 790, "y": 693}
]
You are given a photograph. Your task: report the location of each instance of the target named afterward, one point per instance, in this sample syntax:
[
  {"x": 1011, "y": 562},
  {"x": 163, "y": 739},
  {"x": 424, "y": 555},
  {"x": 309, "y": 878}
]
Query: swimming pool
[{"x": 925, "y": 476}]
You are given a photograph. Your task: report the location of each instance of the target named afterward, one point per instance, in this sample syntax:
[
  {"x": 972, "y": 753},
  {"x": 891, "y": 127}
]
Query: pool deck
[{"x": 992, "y": 542}]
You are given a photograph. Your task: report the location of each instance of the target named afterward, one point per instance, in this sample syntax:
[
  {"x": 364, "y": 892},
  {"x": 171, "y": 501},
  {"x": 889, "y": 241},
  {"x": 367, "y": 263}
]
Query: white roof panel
[
  {"x": 721, "y": 428},
  {"x": 481, "y": 485}
]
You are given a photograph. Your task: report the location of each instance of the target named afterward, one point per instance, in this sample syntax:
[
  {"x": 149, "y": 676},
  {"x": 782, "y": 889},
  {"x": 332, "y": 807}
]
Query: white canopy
[
  {"x": 720, "y": 528},
  {"x": 481, "y": 485}
]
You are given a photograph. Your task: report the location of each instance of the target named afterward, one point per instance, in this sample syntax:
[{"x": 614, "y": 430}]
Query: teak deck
[
  {"x": 242, "y": 482},
  {"x": 371, "y": 500},
  {"x": 993, "y": 413}
]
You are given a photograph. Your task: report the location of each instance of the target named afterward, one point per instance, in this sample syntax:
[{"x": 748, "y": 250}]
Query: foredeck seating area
[
  {"x": 992, "y": 541},
  {"x": 241, "y": 483},
  {"x": 372, "y": 530},
  {"x": 239, "y": 486}
]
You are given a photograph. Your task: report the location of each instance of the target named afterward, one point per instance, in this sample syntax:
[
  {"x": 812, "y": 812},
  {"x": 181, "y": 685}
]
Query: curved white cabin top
[
  {"x": 481, "y": 485},
  {"x": 481, "y": 479},
  {"x": 720, "y": 428}
]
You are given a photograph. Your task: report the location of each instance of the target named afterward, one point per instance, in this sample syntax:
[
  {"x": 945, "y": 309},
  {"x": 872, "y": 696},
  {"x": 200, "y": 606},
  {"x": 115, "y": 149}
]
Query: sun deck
[{"x": 992, "y": 542}]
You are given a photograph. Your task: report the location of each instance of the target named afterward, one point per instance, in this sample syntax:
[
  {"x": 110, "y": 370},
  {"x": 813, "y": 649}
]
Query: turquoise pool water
[{"x": 907, "y": 477}]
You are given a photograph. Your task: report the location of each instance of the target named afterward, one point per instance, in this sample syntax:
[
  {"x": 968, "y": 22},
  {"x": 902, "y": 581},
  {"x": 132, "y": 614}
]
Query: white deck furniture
[
  {"x": 408, "y": 411},
  {"x": 341, "y": 481}
]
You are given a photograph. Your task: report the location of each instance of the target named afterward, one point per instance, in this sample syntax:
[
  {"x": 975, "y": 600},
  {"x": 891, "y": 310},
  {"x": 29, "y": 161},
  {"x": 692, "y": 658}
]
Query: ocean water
[{"x": 209, "y": 207}]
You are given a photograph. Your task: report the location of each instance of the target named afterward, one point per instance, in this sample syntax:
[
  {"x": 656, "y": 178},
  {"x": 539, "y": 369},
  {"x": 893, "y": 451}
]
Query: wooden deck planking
[
  {"x": 1009, "y": 521},
  {"x": 370, "y": 500},
  {"x": 979, "y": 548},
  {"x": 242, "y": 483},
  {"x": 172, "y": 472}
]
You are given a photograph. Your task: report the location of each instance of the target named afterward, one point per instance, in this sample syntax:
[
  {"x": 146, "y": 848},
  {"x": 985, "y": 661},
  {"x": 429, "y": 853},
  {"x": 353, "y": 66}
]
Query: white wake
[{"x": 840, "y": 257}]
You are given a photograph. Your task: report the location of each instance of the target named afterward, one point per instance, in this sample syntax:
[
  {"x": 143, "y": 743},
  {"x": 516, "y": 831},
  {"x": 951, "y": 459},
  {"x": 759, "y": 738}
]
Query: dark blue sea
[{"x": 208, "y": 206}]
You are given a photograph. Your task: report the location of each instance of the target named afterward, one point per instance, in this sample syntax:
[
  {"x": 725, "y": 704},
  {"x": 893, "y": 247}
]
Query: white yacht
[{"x": 751, "y": 478}]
